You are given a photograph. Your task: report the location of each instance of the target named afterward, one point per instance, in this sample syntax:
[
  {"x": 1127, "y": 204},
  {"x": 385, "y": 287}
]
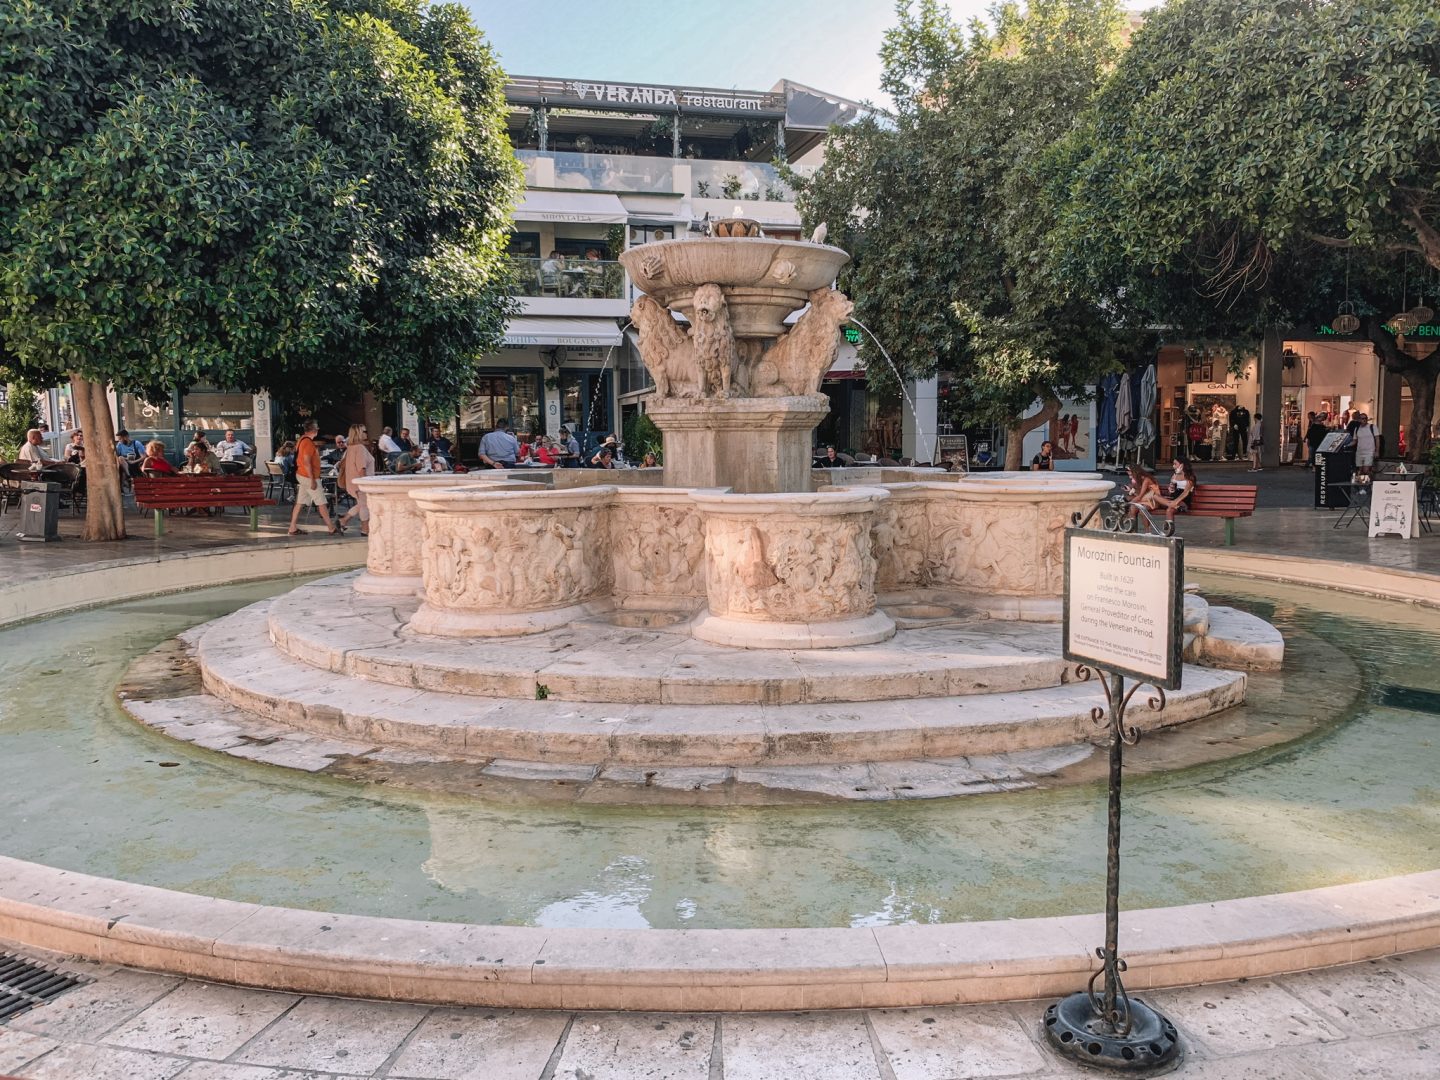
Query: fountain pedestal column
[
  {"x": 750, "y": 445},
  {"x": 790, "y": 571}
]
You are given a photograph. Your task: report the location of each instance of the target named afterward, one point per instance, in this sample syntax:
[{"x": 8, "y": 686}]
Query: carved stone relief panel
[
  {"x": 790, "y": 569},
  {"x": 985, "y": 547},
  {"x": 658, "y": 549},
  {"x": 899, "y": 537},
  {"x": 514, "y": 561}
]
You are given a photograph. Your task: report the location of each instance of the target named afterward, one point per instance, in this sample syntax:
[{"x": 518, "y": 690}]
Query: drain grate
[
  {"x": 1408, "y": 697},
  {"x": 25, "y": 984}
]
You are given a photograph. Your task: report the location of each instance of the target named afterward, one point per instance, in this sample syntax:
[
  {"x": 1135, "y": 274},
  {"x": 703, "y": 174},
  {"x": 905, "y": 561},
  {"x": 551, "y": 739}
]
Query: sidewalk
[{"x": 1376, "y": 1019}]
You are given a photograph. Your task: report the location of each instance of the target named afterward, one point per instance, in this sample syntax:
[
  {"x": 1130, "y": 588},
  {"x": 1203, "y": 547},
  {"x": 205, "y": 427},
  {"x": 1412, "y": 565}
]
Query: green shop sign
[
  {"x": 1429, "y": 330},
  {"x": 852, "y": 335}
]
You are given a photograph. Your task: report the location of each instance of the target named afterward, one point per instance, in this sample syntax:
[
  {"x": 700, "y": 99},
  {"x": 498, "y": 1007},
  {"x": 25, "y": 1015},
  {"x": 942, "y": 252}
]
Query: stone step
[
  {"x": 363, "y": 636},
  {"x": 205, "y": 721},
  {"x": 240, "y": 666}
]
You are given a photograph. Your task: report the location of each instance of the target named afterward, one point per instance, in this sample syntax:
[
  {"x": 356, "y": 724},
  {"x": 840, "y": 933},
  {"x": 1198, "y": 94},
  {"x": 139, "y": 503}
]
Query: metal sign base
[{"x": 1076, "y": 1030}]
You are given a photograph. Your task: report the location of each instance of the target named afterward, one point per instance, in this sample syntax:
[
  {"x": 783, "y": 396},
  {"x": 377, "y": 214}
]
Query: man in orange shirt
[{"x": 308, "y": 489}]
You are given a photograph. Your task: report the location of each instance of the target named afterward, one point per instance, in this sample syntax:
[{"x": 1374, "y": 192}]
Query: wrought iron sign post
[{"x": 1123, "y": 618}]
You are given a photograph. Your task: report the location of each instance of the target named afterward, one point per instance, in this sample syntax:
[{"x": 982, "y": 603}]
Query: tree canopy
[
  {"x": 1247, "y": 158},
  {"x": 938, "y": 204},
  {"x": 289, "y": 195}
]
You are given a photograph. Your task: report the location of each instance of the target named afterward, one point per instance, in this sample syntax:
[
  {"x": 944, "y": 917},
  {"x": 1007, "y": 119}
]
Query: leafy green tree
[
  {"x": 304, "y": 197},
  {"x": 938, "y": 205},
  {"x": 1241, "y": 150}
]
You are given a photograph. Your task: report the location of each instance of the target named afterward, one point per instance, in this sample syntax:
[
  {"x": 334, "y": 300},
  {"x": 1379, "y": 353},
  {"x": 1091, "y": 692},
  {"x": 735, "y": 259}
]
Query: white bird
[{"x": 818, "y": 236}]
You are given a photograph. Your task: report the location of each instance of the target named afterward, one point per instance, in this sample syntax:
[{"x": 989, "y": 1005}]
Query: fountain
[
  {"x": 580, "y": 705},
  {"x": 731, "y": 619}
]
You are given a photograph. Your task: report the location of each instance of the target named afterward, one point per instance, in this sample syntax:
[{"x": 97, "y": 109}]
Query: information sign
[
  {"x": 1124, "y": 603},
  {"x": 1393, "y": 510}
]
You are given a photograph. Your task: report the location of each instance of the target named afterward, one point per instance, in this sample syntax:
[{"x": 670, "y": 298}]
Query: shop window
[
  {"x": 152, "y": 419},
  {"x": 525, "y": 244},
  {"x": 514, "y": 397},
  {"x": 212, "y": 411}
]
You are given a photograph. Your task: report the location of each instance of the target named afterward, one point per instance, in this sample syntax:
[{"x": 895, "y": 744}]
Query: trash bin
[{"x": 39, "y": 511}]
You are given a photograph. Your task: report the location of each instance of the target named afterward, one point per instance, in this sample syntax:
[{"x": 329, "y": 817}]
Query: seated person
[
  {"x": 200, "y": 459},
  {"x": 389, "y": 448},
  {"x": 830, "y": 460},
  {"x": 547, "y": 453},
  {"x": 439, "y": 445},
  {"x": 1176, "y": 500},
  {"x": 231, "y": 449},
  {"x": 1143, "y": 490},
  {"x": 155, "y": 463},
  {"x": 411, "y": 461},
  {"x": 31, "y": 452},
  {"x": 499, "y": 448},
  {"x": 130, "y": 453},
  {"x": 75, "y": 451},
  {"x": 650, "y": 461},
  {"x": 609, "y": 447},
  {"x": 334, "y": 452},
  {"x": 200, "y": 440},
  {"x": 285, "y": 457},
  {"x": 1044, "y": 461}
]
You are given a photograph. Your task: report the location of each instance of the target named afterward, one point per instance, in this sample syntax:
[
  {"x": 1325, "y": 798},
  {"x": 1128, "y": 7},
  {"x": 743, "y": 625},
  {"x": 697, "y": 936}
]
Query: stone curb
[
  {"x": 704, "y": 970},
  {"x": 97, "y": 584}
]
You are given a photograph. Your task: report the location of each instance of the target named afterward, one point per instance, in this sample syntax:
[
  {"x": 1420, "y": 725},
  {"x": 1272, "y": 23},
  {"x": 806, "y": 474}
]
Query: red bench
[
  {"x": 1228, "y": 501},
  {"x": 203, "y": 492}
]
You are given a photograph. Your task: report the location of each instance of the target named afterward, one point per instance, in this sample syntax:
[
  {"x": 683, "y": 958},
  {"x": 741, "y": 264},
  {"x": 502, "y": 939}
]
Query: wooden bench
[
  {"x": 1228, "y": 501},
  {"x": 206, "y": 491}
]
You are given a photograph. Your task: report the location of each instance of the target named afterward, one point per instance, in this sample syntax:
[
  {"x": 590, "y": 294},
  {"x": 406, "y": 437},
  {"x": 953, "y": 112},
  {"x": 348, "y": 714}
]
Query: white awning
[
  {"x": 585, "y": 207},
  {"x": 577, "y": 333}
]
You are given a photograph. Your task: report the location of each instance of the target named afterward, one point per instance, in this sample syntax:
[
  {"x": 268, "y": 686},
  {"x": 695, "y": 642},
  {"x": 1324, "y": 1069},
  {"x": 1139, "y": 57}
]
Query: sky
[{"x": 831, "y": 45}]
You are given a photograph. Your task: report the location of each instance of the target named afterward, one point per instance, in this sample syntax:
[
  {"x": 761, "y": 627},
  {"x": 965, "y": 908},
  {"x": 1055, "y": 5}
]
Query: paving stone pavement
[{"x": 1377, "y": 1019}]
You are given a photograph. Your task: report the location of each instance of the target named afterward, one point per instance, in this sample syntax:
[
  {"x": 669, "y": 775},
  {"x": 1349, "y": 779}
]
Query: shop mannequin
[{"x": 1240, "y": 423}]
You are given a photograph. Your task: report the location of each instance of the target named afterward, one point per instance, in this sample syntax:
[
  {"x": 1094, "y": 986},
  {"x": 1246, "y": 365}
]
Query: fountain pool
[{"x": 1340, "y": 786}]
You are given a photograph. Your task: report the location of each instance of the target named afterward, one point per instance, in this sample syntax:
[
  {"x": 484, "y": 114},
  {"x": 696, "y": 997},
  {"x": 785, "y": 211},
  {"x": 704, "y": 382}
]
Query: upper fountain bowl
[{"x": 763, "y": 280}]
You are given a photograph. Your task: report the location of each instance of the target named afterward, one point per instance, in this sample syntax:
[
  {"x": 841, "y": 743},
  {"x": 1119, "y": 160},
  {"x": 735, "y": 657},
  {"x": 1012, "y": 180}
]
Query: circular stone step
[
  {"x": 240, "y": 667},
  {"x": 648, "y": 657}
]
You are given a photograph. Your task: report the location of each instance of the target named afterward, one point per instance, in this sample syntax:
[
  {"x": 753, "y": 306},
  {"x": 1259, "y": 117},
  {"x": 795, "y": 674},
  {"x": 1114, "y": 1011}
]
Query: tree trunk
[
  {"x": 1421, "y": 379},
  {"x": 1420, "y": 375},
  {"x": 1016, "y": 432},
  {"x": 104, "y": 505}
]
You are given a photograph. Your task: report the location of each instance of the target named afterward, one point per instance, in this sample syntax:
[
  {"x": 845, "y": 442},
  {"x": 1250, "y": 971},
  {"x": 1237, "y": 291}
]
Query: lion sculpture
[
  {"x": 797, "y": 362},
  {"x": 666, "y": 349},
  {"x": 714, "y": 341}
]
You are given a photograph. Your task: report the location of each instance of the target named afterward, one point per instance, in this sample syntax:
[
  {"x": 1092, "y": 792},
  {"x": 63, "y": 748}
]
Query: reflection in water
[{"x": 81, "y": 787}]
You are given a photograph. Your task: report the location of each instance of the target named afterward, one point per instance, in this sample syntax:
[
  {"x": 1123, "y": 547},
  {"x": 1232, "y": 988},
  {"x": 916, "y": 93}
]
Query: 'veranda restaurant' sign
[{"x": 644, "y": 96}]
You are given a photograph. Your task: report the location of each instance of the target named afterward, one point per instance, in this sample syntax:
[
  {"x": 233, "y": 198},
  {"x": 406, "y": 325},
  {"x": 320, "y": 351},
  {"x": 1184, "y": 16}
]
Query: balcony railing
[
  {"x": 597, "y": 172},
  {"x": 738, "y": 180},
  {"x": 591, "y": 279},
  {"x": 734, "y": 180}
]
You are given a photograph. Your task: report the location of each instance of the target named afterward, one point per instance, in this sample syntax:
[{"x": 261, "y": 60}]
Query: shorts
[
  {"x": 1364, "y": 459},
  {"x": 305, "y": 495}
]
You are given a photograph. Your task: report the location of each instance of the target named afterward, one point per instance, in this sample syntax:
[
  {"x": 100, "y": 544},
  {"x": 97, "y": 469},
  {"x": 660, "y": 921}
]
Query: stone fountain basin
[{"x": 764, "y": 280}]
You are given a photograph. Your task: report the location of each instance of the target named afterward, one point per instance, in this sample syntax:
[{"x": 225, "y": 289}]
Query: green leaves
[
  {"x": 944, "y": 207},
  {"x": 275, "y": 194}
]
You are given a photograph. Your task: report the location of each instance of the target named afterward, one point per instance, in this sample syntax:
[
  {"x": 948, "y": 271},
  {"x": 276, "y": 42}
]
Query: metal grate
[
  {"x": 25, "y": 984},
  {"x": 1408, "y": 697}
]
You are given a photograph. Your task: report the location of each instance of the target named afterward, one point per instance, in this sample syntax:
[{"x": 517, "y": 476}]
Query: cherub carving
[
  {"x": 714, "y": 341},
  {"x": 666, "y": 349},
  {"x": 798, "y": 361}
]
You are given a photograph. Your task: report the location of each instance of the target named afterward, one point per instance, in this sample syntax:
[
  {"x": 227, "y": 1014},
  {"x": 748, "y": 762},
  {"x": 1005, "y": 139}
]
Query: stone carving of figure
[
  {"x": 666, "y": 349},
  {"x": 714, "y": 342},
  {"x": 797, "y": 362}
]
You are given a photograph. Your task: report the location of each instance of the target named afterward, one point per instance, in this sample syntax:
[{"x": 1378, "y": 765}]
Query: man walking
[{"x": 308, "y": 489}]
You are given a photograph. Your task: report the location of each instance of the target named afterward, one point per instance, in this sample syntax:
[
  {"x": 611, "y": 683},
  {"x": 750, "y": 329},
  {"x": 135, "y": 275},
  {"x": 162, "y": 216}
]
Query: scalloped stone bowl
[{"x": 763, "y": 280}]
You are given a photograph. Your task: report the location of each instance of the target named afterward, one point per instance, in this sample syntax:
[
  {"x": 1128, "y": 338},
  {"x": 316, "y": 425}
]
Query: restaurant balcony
[
  {"x": 742, "y": 181},
  {"x": 573, "y": 286}
]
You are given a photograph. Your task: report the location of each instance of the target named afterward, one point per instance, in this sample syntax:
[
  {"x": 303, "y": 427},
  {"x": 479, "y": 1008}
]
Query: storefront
[{"x": 203, "y": 408}]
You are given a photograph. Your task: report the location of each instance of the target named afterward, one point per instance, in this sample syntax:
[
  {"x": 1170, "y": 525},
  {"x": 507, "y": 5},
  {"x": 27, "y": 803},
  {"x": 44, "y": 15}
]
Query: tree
[
  {"x": 262, "y": 194},
  {"x": 938, "y": 207},
  {"x": 1241, "y": 149}
]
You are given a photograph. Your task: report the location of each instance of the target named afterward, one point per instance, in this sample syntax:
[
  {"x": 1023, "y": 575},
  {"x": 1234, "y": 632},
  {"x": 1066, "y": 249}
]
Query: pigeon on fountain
[{"x": 818, "y": 236}]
